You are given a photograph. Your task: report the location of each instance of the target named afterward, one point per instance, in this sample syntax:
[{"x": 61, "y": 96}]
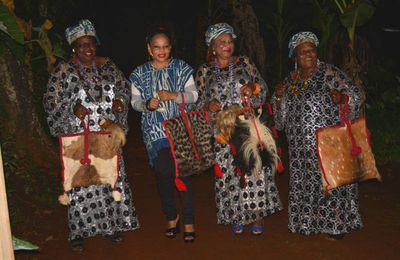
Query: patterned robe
[
  {"x": 148, "y": 81},
  {"x": 300, "y": 116},
  {"x": 92, "y": 210},
  {"x": 260, "y": 198}
]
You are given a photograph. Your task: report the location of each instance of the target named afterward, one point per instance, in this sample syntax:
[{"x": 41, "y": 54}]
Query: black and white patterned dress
[
  {"x": 92, "y": 210},
  {"x": 300, "y": 116},
  {"x": 260, "y": 197}
]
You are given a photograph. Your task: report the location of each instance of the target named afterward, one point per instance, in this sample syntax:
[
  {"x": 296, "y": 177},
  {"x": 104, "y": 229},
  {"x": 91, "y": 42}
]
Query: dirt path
[{"x": 379, "y": 239}]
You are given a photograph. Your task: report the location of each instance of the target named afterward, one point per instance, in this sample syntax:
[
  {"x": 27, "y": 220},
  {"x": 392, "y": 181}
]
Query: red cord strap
[
  {"x": 345, "y": 119},
  {"x": 86, "y": 131},
  {"x": 187, "y": 125}
]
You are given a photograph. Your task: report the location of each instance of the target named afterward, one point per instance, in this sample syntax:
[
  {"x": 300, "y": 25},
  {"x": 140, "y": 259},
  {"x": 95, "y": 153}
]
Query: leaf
[
  {"x": 362, "y": 12},
  {"x": 9, "y": 21},
  {"x": 18, "y": 50},
  {"x": 20, "y": 244}
]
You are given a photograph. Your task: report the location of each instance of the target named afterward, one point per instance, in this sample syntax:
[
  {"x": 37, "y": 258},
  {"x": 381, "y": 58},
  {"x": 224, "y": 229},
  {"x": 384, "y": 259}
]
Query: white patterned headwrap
[
  {"x": 83, "y": 28},
  {"x": 213, "y": 31},
  {"x": 300, "y": 38}
]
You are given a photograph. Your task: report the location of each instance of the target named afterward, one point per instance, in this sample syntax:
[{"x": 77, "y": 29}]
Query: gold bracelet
[{"x": 120, "y": 98}]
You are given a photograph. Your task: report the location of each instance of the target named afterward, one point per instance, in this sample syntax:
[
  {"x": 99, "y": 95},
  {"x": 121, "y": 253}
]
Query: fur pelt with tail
[
  {"x": 103, "y": 151},
  {"x": 240, "y": 130}
]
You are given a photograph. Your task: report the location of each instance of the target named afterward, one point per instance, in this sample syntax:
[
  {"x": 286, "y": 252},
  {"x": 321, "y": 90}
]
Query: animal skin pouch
[
  {"x": 344, "y": 152},
  {"x": 91, "y": 158}
]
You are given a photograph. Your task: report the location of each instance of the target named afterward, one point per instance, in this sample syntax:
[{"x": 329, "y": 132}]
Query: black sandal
[
  {"x": 173, "y": 231},
  {"x": 77, "y": 245},
  {"x": 189, "y": 237}
]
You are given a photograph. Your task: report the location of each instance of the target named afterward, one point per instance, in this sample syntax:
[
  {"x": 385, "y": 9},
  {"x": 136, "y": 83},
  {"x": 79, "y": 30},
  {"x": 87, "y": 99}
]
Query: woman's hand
[
  {"x": 80, "y": 111},
  {"x": 336, "y": 96},
  {"x": 152, "y": 104},
  {"x": 166, "y": 95},
  {"x": 247, "y": 89},
  {"x": 117, "y": 106},
  {"x": 214, "y": 106}
]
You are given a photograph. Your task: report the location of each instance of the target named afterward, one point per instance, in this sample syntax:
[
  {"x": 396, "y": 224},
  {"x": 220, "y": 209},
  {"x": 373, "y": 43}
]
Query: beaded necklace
[
  {"x": 91, "y": 81},
  {"x": 93, "y": 91},
  {"x": 293, "y": 88},
  {"x": 231, "y": 83}
]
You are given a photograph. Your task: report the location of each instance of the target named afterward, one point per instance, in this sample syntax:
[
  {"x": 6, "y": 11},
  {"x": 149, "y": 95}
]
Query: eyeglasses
[{"x": 224, "y": 43}]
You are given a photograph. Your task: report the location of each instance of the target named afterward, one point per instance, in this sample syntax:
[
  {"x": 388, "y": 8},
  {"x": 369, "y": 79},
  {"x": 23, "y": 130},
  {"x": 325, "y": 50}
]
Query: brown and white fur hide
[
  {"x": 241, "y": 131},
  {"x": 103, "y": 148}
]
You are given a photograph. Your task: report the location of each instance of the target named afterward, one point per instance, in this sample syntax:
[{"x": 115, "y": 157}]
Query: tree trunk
[
  {"x": 246, "y": 26},
  {"x": 20, "y": 124}
]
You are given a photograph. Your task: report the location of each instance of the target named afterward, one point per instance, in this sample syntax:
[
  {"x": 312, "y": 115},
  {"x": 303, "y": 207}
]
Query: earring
[
  {"x": 295, "y": 65},
  {"x": 73, "y": 50},
  {"x": 214, "y": 53}
]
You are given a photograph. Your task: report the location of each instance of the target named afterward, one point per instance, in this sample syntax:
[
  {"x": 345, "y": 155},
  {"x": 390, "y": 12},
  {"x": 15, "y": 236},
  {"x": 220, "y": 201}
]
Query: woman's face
[
  {"x": 306, "y": 55},
  {"x": 85, "y": 49},
  {"x": 223, "y": 46},
  {"x": 159, "y": 48}
]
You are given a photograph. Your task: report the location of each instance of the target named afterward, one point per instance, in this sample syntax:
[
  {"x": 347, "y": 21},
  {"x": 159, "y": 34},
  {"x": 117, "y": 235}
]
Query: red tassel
[
  {"x": 180, "y": 185},
  {"x": 233, "y": 149},
  {"x": 280, "y": 167},
  {"x": 356, "y": 150},
  {"x": 269, "y": 109},
  {"x": 275, "y": 133},
  {"x": 217, "y": 171}
]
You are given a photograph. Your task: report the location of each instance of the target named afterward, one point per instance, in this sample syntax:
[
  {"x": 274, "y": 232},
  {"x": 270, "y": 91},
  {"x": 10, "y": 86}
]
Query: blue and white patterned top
[{"x": 148, "y": 80}]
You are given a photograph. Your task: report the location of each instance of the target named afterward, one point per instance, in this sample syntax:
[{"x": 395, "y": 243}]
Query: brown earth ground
[{"x": 379, "y": 239}]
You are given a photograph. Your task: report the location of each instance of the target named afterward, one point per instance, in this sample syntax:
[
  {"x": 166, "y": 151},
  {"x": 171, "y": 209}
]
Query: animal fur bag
[
  {"x": 189, "y": 135},
  {"x": 252, "y": 143},
  {"x": 344, "y": 152},
  {"x": 91, "y": 158}
]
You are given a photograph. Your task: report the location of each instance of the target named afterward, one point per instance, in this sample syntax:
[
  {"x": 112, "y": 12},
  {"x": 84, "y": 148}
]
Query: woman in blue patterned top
[{"x": 157, "y": 89}]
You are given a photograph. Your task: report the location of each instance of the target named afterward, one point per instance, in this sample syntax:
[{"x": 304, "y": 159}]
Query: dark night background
[{"x": 121, "y": 26}]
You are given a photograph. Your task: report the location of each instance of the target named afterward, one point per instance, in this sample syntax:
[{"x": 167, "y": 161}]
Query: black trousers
[{"x": 165, "y": 174}]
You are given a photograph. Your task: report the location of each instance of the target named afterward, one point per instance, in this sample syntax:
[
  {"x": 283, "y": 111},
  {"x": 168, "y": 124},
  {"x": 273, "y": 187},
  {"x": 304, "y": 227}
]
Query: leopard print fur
[{"x": 183, "y": 150}]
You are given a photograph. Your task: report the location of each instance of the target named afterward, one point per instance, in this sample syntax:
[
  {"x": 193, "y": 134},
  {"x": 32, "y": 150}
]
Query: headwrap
[
  {"x": 213, "y": 31},
  {"x": 300, "y": 38},
  {"x": 83, "y": 28}
]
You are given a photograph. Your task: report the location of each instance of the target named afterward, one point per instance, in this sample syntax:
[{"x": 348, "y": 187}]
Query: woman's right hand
[
  {"x": 214, "y": 106},
  {"x": 152, "y": 104},
  {"x": 80, "y": 111}
]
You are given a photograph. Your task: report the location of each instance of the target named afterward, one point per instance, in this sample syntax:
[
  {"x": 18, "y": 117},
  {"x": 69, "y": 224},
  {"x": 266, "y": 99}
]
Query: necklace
[
  {"x": 304, "y": 85},
  {"x": 94, "y": 92},
  {"x": 231, "y": 83},
  {"x": 91, "y": 81}
]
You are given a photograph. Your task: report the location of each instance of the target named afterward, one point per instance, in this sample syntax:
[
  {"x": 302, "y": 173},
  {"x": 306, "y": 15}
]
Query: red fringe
[
  {"x": 275, "y": 133},
  {"x": 180, "y": 185},
  {"x": 355, "y": 150},
  {"x": 280, "y": 167},
  {"x": 269, "y": 108},
  {"x": 217, "y": 171}
]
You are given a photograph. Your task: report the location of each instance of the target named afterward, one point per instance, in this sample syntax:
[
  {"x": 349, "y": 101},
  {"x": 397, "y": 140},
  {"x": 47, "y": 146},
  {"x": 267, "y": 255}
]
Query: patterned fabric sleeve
[
  {"x": 256, "y": 77},
  {"x": 337, "y": 79},
  {"x": 281, "y": 112},
  {"x": 201, "y": 87},
  {"x": 57, "y": 102},
  {"x": 122, "y": 92}
]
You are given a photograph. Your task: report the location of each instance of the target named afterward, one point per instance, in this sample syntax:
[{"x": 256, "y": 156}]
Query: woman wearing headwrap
[
  {"x": 221, "y": 83},
  {"x": 308, "y": 99},
  {"x": 91, "y": 86},
  {"x": 157, "y": 89}
]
